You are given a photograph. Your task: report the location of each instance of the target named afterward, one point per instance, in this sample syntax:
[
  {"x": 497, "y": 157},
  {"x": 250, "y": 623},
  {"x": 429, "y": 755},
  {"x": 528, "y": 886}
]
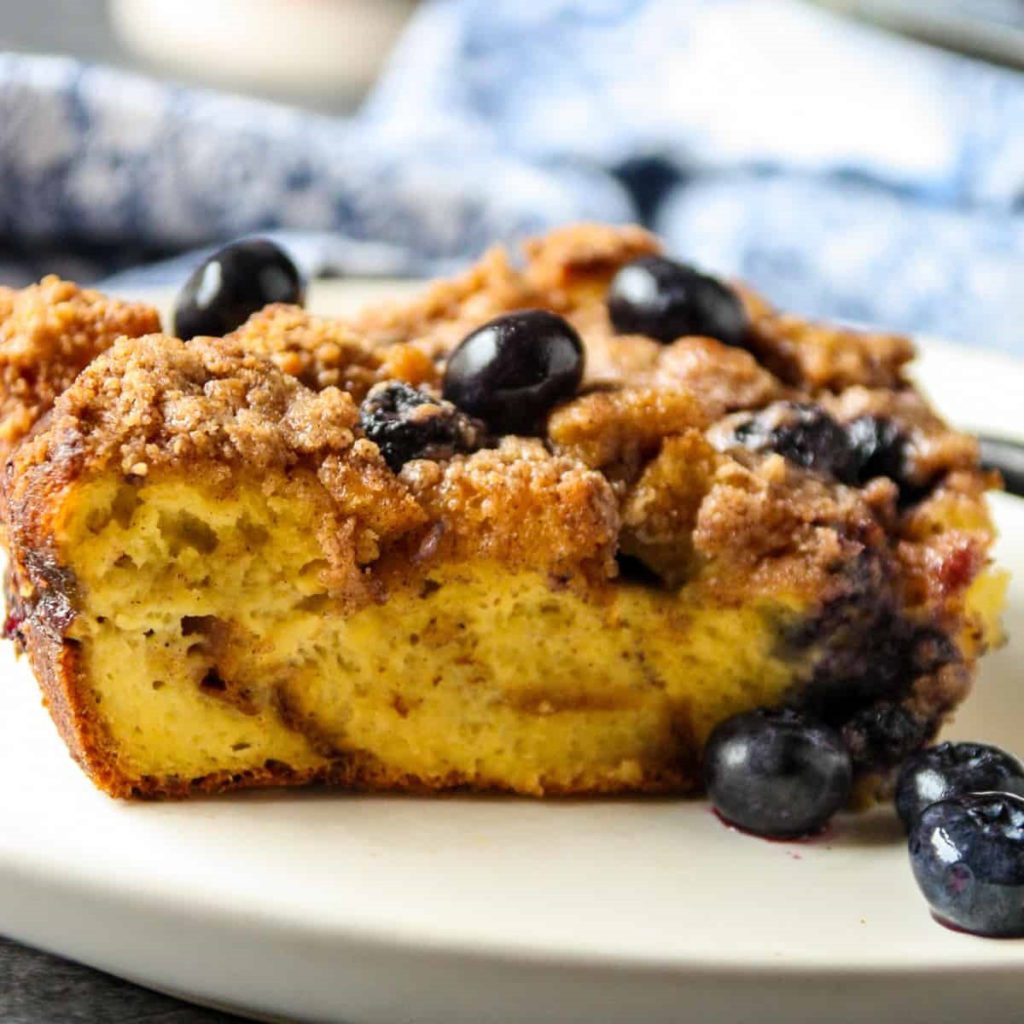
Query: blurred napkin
[{"x": 845, "y": 172}]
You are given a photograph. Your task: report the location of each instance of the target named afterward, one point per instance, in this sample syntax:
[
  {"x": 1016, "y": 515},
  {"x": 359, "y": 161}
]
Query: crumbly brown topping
[
  {"x": 765, "y": 524},
  {"x": 566, "y": 271},
  {"x": 774, "y": 522},
  {"x": 618, "y": 430},
  {"x": 328, "y": 353},
  {"x": 363, "y": 487},
  {"x": 445, "y": 313},
  {"x": 48, "y": 333},
  {"x": 660, "y": 511},
  {"x": 819, "y": 356},
  {"x": 628, "y": 467},
  {"x": 158, "y": 400},
  {"x": 725, "y": 378},
  {"x": 583, "y": 254},
  {"x": 519, "y": 505}
]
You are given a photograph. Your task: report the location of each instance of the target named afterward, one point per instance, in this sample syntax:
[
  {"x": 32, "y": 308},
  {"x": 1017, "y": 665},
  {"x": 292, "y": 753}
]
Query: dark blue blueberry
[
  {"x": 880, "y": 449},
  {"x": 954, "y": 769},
  {"x": 967, "y": 854},
  {"x": 805, "y": 434},
  {"x": 852, "y": 453},
  {"x": 512, "y": 371},
  {"x": 666, "y": 300},
  {"x": 406, "y": 423},
  {"x": 776, "y": 772},
  {"x": 235, "y": 282}
]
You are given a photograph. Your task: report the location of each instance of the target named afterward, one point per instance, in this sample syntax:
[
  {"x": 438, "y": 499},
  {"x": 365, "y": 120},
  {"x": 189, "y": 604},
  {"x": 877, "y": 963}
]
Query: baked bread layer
[{"x": 222, "y": 581}]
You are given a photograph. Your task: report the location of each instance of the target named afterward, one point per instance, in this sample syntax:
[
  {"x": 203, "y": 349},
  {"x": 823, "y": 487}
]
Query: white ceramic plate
[{"x": 331, "y": 907}]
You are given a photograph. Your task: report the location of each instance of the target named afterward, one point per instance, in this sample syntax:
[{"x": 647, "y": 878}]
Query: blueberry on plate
[
  {"x": 514, "y": 369},
  {"x": 967, "y": 855},
  {"x": 953, "y": 769},
  {"x": 667, "y": 300},
  {"x": 406, "y": 423},
  {"x": 232, "y": 284},
  {"x": 776, "y": 773}
]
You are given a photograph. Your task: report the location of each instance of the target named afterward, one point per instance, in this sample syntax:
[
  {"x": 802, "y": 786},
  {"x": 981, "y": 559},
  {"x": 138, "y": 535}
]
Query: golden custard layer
[
  {"x": 221, "y": 582},
  {"x": 212, "y": 645}
]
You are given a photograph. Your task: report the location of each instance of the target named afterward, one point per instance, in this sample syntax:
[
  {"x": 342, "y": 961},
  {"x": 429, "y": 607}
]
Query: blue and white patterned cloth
[{"x": 845, "y": 172}]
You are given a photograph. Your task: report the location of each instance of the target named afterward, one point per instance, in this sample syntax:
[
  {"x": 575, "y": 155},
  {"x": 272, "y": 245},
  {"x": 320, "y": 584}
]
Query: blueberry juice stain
[{"x": 821, "y": 837}]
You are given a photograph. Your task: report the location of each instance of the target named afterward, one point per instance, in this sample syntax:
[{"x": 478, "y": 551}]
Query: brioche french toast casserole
[{"x": 538, "y": 530}]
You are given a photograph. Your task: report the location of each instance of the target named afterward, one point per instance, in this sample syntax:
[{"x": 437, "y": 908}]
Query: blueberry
[
  {"x": 667, "y": 300},
  {"x": 967, "y": 854},
  {"x": 406, "y": 423},
  {"x": 776, "y": 772},
  {"x": 954, "y": 769},
  {"x": 852, "y": 453},
  {"x": 880, "y": 449},
  {"x": 514, "y": 369},
  {"x": 805, "y": 434},
  {"x": 235, "y": 282}
]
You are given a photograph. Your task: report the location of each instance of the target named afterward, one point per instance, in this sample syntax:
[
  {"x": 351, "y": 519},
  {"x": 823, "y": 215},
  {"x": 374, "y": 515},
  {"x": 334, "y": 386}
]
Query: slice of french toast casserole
[{"x": 525, "y": 532}]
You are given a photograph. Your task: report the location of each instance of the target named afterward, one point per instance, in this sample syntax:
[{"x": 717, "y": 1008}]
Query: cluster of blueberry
[
  {"x": 511, "y": 371},
  {"x": 963, "y": 804},
  {"x": 779, "y": 774},
  {"x": 852, "y": 453}
]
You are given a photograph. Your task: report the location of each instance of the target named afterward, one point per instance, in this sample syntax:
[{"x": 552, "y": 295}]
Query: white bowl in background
[{"x": 298, "y": 49}]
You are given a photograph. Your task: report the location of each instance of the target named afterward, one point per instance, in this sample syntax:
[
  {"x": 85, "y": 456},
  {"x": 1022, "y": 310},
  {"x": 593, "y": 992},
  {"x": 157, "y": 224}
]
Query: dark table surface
[{"x": 36, "y": 988}]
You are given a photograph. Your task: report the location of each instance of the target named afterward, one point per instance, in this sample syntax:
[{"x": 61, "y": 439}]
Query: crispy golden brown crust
[
  {"x": 826, "y": 357},
  {"x": 48, "y": 333},
  {"x": 520, "y": 506},
  {"x": 626, "y": 467},
  {"x": 327, "y": 353},
  {"x": 159, "y": 402}
]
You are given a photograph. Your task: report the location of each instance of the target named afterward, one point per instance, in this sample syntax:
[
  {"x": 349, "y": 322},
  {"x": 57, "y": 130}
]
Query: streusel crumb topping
[
  {"x": 48, "y": 333},
  {"x": 645, "y": 459}
]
